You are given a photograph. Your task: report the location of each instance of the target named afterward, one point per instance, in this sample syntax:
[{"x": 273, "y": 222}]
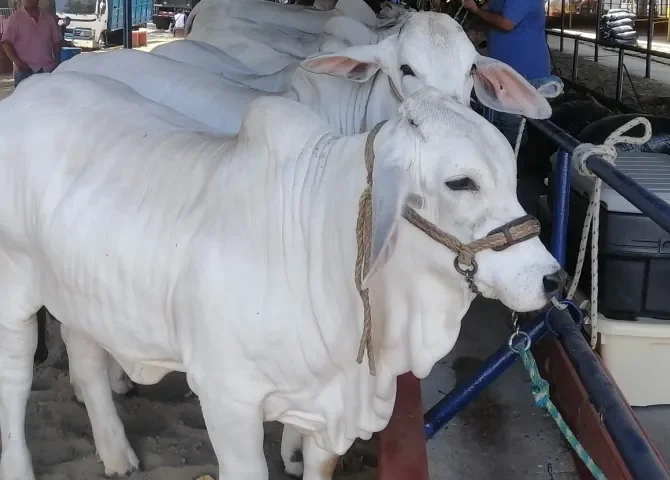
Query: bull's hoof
[{"x": 123, "y": 464}]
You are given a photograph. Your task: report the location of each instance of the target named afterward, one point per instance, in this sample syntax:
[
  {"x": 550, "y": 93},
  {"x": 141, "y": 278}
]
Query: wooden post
[{"x": 402, "y": 444}]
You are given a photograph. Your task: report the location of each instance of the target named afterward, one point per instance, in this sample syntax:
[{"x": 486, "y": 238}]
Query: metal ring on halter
[
  {"x": 523, "y": 346},
  {"x": 470, "y": 270}
]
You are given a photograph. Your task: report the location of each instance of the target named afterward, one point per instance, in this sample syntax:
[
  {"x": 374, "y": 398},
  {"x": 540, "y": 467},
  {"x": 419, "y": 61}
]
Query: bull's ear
[
  {"x": 358, "y": 63},
  {"x": 389, "y": 193},
  {"x": 499, "y": 87}
]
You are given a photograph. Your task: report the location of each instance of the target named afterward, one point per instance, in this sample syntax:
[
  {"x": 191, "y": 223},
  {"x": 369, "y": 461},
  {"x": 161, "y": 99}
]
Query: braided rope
[
  {"x": 363, "y": 236},
  {"x": 541, "y": 395},
  {"x": 607, "y": 151}
]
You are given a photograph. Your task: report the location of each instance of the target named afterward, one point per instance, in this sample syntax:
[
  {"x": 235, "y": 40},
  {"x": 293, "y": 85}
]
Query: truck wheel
[{"x": 102, "y": 42}]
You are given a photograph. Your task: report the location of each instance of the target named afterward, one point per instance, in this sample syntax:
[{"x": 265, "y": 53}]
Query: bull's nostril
[{"x": 554, "y": 282}]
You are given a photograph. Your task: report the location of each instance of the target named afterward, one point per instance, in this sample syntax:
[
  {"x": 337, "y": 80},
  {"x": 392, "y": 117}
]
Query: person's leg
[{"x": 21, "y": 76}]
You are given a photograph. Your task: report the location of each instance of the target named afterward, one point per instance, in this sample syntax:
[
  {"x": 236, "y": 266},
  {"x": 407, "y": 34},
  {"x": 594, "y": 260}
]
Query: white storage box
[{"x": 636, "y": 353}]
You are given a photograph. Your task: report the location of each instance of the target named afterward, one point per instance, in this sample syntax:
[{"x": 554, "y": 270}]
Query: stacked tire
[{"x": 618, "y": 26}]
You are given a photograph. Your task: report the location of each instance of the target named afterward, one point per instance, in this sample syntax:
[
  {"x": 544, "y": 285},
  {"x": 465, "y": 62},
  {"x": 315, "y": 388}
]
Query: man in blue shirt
[{"x": 516, "y": 36}]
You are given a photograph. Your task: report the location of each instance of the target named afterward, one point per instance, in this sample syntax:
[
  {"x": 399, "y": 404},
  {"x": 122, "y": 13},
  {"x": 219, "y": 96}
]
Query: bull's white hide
[
  {"x": 232, "y": 259},
  {"x": 208, "y": 57},
  {"x": 296, "y": 17},
  {"x": 266, "y": 36},
  {"x": 204, "y": 55},
  {"x": 352, "y": 89},
  {"x": 198, "y": 94}
]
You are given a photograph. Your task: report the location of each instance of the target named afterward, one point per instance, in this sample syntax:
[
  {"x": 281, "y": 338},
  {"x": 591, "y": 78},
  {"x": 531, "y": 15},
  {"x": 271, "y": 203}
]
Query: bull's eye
[
  {"x": 407, "y": 70},
  {"x": 462, "y": 184}
]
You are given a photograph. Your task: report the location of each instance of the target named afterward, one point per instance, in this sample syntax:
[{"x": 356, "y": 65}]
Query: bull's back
[
  {"x": 106, "y": 212},
  {"x": 212, "y": 100}
]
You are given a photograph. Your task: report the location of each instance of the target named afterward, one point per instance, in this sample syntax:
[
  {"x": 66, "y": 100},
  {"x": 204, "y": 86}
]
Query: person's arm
[
  {"x": 513, "y": 12},
  {"x": 496, "y": 20},
  {"x": 8, "y": 39}
]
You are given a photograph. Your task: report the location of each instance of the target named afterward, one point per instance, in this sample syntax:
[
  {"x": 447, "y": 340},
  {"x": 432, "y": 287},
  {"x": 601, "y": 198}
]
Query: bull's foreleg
[
  {"x": 319, "y": 463},
  {"x": 291, "y": 451},
  {"x": 18, "y": 340},
  {"x": 303, "y": 458},
  {"x": 235, "y": 430},
  {"x": 89, "y": 374}
]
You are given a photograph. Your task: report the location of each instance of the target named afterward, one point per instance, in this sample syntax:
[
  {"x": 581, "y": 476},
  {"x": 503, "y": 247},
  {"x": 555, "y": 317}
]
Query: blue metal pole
[
  {"x": 561, "y": 207},
  {"x": 463, "y": 393}
]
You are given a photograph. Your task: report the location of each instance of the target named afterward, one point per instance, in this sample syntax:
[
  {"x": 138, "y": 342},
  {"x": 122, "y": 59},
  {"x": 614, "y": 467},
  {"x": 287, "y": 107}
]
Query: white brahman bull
[
  {"x": 206, "y": 56},
  {"x": 232, "y": 259},
  {"x": 353, "y": 89},
  {"x": 258, "y": 35}
]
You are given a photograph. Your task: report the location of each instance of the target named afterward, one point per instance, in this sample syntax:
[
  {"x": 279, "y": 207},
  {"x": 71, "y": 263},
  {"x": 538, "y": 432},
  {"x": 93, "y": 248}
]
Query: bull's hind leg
[
  {"x": 302, "y": 457},
  {"x": 89, "y": 372},
  {"x": 18, "y": 340}
]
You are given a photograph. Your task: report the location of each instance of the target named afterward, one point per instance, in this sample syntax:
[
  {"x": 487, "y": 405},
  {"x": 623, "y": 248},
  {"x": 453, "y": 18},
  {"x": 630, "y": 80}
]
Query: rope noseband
[{"x": 499, "y": 239}]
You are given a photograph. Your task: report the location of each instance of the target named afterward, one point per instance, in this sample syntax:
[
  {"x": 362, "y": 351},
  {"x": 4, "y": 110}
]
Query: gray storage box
[{"x": 634, "y": 263}]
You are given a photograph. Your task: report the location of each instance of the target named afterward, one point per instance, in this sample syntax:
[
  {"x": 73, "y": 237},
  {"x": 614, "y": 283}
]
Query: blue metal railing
[{"x": 636, "y": 451}]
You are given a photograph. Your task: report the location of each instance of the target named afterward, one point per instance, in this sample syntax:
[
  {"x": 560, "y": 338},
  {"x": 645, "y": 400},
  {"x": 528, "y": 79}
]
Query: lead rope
[
  {"x": 540, "y": 390},
  {"x": 607, "y": 152}
]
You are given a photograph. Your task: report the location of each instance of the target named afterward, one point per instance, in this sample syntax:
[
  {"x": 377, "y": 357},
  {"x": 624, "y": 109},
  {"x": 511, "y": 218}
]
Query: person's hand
[{"x": 470, "y": 5}]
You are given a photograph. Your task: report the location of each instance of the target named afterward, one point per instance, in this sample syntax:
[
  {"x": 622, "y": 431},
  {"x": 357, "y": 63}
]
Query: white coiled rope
[{"x": 607, "y": 151}]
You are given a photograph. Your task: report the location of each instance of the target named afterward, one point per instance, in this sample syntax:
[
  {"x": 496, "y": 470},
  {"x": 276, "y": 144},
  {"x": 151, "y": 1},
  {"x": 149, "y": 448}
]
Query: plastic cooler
[
  {"x": 67, "y": 53},
  {"x": 633, "y": 352},
  {"x": 634, "y": 252}
]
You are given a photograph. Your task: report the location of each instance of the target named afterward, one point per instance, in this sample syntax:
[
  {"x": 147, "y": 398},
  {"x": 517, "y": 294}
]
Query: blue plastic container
[{"x": 67, "y": 53}]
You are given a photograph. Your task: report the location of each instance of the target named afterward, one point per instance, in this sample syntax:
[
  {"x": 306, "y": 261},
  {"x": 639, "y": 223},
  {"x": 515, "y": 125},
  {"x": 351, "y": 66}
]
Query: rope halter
[{"x": 499, "y": 239}]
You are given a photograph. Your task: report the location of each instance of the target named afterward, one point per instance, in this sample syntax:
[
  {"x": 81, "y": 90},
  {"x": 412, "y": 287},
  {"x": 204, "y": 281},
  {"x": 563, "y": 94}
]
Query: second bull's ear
[{"x": 499, "y": 87}]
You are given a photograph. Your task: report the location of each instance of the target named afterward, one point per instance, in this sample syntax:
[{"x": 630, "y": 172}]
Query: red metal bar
[{"x": 402, "y": 444}]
